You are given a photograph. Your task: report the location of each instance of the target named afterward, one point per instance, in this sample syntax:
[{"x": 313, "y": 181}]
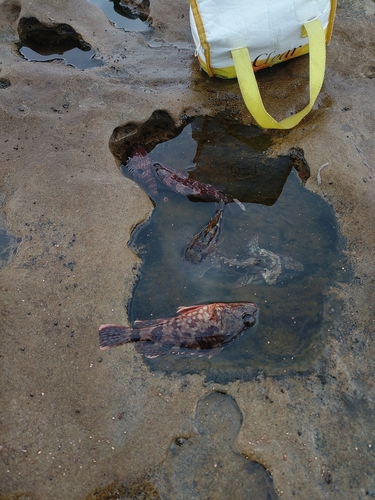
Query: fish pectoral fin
[
  {"x": 270, "y": 275},
  {"x": 241, "y": 205},
  {"x": 214, "y": 352}
]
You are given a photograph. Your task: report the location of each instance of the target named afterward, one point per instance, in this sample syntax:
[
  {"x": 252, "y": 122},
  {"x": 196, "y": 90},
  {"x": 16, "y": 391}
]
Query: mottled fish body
[
  {"x": 175, "y": 181},
  {"x": 204, "y": 243},
  {"x": 263, "y": 265},
  {"x": 297, "y": 156},
  {"x": 140, "y": 167},
  {"x": 200, "y": 329},
  {"x": 183, "y": 184}
]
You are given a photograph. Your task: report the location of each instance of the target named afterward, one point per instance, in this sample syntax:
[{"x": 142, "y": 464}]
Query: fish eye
[{"x": 248, "y": 318}]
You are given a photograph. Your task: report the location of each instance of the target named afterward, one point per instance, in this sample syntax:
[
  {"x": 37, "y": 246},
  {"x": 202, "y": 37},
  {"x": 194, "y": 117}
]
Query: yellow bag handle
[{"x": 249, "y": 87}]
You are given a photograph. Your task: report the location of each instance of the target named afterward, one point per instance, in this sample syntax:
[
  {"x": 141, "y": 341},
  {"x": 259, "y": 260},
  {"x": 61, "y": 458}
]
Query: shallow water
[
  {"x": 8, "y": 243},
  {"x": 287, "y": 218},
  {"x": 41, "y": 42},
  {"x": 80, "y": 59},
  {"x": 8, "y": 248},
  {"x": 121, "y": 16}
]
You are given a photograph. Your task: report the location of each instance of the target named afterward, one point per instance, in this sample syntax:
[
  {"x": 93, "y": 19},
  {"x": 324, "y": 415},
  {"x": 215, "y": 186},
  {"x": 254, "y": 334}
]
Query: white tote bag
[{"x": 237, "y": 37}]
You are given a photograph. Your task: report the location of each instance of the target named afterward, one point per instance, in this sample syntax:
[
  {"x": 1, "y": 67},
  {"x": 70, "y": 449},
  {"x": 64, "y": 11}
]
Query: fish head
[
  {"x": 235, "y": 318},
  {"x": 249, "y": 315},
  {"x": 194, "y": 255},
  {"x": 244, "y": 314}
]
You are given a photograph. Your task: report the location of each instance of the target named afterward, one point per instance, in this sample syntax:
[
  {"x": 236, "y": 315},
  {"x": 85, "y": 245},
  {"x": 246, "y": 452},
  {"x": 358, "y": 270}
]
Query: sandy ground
[{"x": 79, "y": 423}]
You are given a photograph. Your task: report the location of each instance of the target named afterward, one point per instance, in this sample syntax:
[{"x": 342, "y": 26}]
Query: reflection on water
[
  {"x": 48, "y": 42},
  {"x": 74, "y": 57},
  {"x": 286, "y": 218},
  {"x": 122, "y": 16}
]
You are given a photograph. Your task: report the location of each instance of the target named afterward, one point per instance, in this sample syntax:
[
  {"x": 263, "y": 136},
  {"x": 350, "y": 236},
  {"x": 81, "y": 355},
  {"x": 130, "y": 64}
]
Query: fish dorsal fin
[
  {"x": 214, "y": 352},
  {"x": 184, "y": 309},
  {"x": 209, "y": 310},
  {"x": 199, "y": 307}
]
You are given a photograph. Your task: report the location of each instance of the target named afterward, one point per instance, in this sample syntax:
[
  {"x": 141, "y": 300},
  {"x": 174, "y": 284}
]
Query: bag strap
[{"x": 249, "y": 87}]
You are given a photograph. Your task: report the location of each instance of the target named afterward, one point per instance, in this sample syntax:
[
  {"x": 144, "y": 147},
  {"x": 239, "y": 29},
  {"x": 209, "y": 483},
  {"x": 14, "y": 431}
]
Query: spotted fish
[
  {"x": 297, "y": 156},
  {"x": 205, "y": 242},
  {"x": 183, "y": 184},
  {"x": 201, "y": 329},
  {"x": 263, "y": 265},
  {"x": 140, "y": 167}
]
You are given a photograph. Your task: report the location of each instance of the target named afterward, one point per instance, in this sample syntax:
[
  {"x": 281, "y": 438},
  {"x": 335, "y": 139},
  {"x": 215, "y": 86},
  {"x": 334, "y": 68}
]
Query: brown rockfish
[
  {"x": 140, "y": 167},
  {"x": 183, "y": 184},
  {"x": 202, "y": 330},
  {"x": 205, "y": 242}
]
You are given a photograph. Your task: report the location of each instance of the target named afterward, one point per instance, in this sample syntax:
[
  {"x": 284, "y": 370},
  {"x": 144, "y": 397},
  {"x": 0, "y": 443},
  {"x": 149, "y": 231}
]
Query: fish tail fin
[{"x": 114, "y": 335}]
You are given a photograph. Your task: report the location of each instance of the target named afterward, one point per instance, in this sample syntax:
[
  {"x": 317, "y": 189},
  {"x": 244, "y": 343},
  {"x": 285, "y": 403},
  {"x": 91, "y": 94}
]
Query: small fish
[
  {"x": 297, "y": 155},
  {"x": 205, "y": 242},
  {"x": 201, "y": 329},
  {"x": 264, "y": 265},
  {"x": 140, "y": 166},
  {"x": 183, "y": 184}
]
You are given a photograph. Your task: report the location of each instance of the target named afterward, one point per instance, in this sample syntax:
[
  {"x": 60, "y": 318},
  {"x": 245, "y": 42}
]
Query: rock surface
[{"x": 77, "y": 423}]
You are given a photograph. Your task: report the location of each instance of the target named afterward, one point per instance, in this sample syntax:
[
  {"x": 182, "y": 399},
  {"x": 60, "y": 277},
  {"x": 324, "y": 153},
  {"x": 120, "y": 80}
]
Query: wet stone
[
  {"x": 143, "y": 489},
  {"x": 4, "y": 83},
  {"x": 160, "y": 127},
  {"x": 207, "y": 465}
]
